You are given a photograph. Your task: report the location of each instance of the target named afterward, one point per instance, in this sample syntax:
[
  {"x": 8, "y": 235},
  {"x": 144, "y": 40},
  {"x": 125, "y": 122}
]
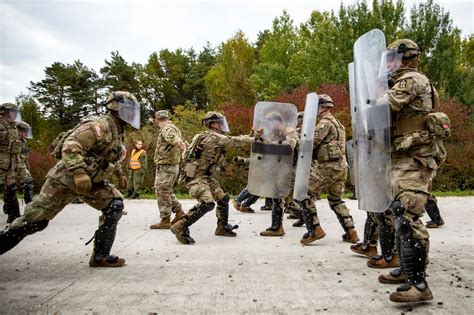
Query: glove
[
  {"x": 122, "y": 179},
  {"x": 257, "y": 134},
  {"x": 83, "y": 182}
]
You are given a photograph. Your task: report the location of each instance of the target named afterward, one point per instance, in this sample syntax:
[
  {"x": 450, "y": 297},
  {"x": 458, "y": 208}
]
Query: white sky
[{"x": 36, "y": 33}]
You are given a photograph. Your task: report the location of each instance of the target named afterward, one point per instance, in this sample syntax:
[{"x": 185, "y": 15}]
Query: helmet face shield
[
  {"x": 391, "y": 62},
  {"x": 129, "y": 112},
  {"x": 26, "y": 133},
  {"x": 223, "y": 126},
  {"x": 12, "y": 115}
]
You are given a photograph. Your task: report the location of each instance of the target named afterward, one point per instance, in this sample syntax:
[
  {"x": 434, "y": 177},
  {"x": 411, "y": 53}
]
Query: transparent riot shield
[
  {"x": 352, "y": 161},
  {"x": 271, "y": 160},
  {"x": 371, "y": 118},
  {"x": 305, "y": 151}
]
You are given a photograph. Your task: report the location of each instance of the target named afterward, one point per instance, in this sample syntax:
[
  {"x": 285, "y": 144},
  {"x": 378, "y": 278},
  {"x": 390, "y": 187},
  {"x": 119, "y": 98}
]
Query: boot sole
[
  {"x": 390, "y": 265},
  {"x": 388, "y": 281},
  {"x": 263, "y": 234},
  {"x": 160, "y": 228},
  {"x": 399, "y": 299},
  {"x": 363, "y": 253}
]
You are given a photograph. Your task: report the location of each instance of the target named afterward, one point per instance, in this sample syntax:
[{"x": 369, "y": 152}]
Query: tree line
[{"x": 238, "y": 73}]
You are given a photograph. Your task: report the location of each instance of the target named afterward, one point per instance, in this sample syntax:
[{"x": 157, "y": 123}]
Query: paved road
[{"x": 48, "y": 271}]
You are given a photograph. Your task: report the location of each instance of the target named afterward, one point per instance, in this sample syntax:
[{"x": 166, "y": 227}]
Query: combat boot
[
  {"x": 279, "y": 231},
  {"x": 109, "y": 261},
  {"x": 433, "y": 225},
  {"x": 351, "y": 236},
  {"x": 178, "y": 216},
  {"x": 395, "y": 276},
  {"x": 381, "y": 262},
  {"x": 316, "y": 234},
  {"x": 412, "y": 293},
  {"x": 246, "y": 209},
  {"x": 299, "y": 216},
  {"x": 165, "y": 224},
  {"x": 268, "y": 205},
  {"x": 236, "y": 205},
  {"x": 367, "y": 250},
  {"x": 276, "y": 229},
  {"x": 179, "y": 230},
  {"x": 221, "y": 231}
]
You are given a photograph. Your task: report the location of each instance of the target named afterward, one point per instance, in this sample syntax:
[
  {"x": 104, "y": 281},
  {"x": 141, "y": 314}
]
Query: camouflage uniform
[
  {"x": 202, "y": 158},
  {"x": 431, "y": 205},
  {"x": 244, "y": 200},
  {"x": 414, "y": 150},
  {"x": 89, "y": 156},
  {"x": 137, "y": 176},
  {"x": 328, "y": 172},
  {"x": 10, "y": 149},
  {"x": 24, "y": 179},
  {"x": 167, "y": 159}
]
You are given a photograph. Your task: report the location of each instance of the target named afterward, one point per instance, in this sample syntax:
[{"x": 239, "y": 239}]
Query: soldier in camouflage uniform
[
  {"x": 201, "y": 160},
  {"x": 329, "y": 172},
  {"x": 282, "y": 135},
  {"x": 169, "y": 145},
  {"x": 24, "y": 179},
  {"x": 244, "y": 200},
  {"x": 412, "y": 99},
  {"x": 10, "y": 149},
  {"x": 89, "y": 154}
]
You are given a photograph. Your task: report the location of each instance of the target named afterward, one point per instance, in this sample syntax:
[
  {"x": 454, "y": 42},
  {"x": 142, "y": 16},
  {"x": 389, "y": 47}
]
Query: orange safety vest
[{"x": 134, "y": 162}]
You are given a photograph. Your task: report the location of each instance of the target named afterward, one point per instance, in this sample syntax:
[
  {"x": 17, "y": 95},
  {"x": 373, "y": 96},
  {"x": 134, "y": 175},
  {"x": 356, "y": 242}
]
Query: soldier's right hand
[{"x": 83, "y": 182}]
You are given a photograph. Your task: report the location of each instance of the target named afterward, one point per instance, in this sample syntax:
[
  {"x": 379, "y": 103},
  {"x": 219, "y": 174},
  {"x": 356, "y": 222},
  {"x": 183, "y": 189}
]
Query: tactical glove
[{"x": 83, "y": 182}]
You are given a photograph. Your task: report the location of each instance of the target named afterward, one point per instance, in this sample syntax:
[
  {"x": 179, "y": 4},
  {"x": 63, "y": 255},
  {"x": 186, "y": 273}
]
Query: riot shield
[
  {"x": 351, "y": 157},
  {"x": 305, "y": 151},
  {"x": 271, "y": 161},
  {"x": 371, "y": 118}
]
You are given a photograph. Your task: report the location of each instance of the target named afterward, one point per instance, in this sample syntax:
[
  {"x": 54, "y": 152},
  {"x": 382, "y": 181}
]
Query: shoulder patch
[
  {"x": 402, "y": 83},
  {"x": 97, "y": 131}
]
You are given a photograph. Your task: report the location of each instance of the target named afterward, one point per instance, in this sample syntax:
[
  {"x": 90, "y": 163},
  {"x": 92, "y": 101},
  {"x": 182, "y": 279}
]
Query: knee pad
[
  {"x": 114, "y": 211},
  {"x": 397, "y": 208},
  {"x": 116, "y": 205},
  {"x": 224, "y": 201}
]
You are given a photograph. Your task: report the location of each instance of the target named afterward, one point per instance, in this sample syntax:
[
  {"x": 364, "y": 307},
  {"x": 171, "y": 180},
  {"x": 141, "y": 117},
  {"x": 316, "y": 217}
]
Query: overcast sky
[{"x": 36, "y": 33}]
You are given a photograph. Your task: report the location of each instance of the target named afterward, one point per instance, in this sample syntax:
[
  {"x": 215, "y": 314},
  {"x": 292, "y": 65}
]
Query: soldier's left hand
[{"x": 182, "y": 146}]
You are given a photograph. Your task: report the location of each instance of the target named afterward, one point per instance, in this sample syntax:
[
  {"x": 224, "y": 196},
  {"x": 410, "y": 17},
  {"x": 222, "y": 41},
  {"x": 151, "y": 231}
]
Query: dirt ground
[{"x": 48, "y": 272}]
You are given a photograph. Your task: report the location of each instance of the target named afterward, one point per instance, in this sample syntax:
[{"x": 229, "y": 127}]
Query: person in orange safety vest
[{"x": 137, "y": 168}]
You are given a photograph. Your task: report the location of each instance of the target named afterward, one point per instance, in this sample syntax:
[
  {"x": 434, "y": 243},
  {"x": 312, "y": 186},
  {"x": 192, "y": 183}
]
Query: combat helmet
[
  {"x": 211, "y": 117},
  {"x": 26, "y": 128},
  {"x": 8, "y": 107},
  {"x": 406, "y": 47},
  {"x": 325, "y": 100},
  {"x": 126, "y": 105}
]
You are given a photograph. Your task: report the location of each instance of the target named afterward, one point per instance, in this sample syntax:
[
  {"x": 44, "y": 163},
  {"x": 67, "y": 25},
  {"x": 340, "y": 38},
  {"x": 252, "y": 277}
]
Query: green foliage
[{"x": 228, "y": 81}]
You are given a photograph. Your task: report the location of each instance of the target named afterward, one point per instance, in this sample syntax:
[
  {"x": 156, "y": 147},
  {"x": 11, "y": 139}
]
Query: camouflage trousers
[
  {"x": 135, "y": 180},
  {"x": 411, "y": 179},
  {"x": 165, "y": 179},
  {"x": 332, "y": 180},
  {"x": 7, "y": 177},
  {"x": 206, "y": 189},
  {"x": 22, "y": 175},
  {"x": 55, "y": 195},
  {"x": 289, "y": 202}
]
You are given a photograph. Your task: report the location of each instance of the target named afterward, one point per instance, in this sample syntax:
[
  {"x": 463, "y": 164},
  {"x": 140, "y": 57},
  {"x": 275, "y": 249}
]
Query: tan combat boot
[
  {"x": 165, "y": 224},
  {"x": 270, "y": 232},
  {"x": 396, "y": 276},
  {"x": 246, "y": 209},
  {"x": 235, "y": 204},
  {"x": 380, "y": 262},
  {"x": 111, "y": 261},
  {"x": 351, "y": 236},
  {"x": 369, "y": 251},
  {"x": 220, "y": 231},
  {"x": 178, "y": 230},
  {"x": 318, "y": 233},
  {"x": 410, "y": 293},
  {"x": 178, "y": 216}
]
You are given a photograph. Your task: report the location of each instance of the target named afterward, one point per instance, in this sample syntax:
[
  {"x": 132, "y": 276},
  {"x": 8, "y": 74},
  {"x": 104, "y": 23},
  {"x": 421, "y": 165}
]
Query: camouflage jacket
[
  {"x": 411, "y": 98},
  {"x": 209, "y": 149},
  {"x": 329, "y": 147},
  {"x": 167, "y": 150},
  {"x": 94, "y": 146},
  {"x": 10, "y": 146}
]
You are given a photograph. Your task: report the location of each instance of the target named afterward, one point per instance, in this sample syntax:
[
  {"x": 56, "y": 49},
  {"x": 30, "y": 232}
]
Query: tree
[
  {"x": 118, "y": 75},
  {"x": 228, "y": 80}
]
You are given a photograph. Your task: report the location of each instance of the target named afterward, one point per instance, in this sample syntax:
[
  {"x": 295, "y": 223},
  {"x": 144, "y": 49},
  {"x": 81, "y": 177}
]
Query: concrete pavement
[{"x": 48, "y": 272}]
